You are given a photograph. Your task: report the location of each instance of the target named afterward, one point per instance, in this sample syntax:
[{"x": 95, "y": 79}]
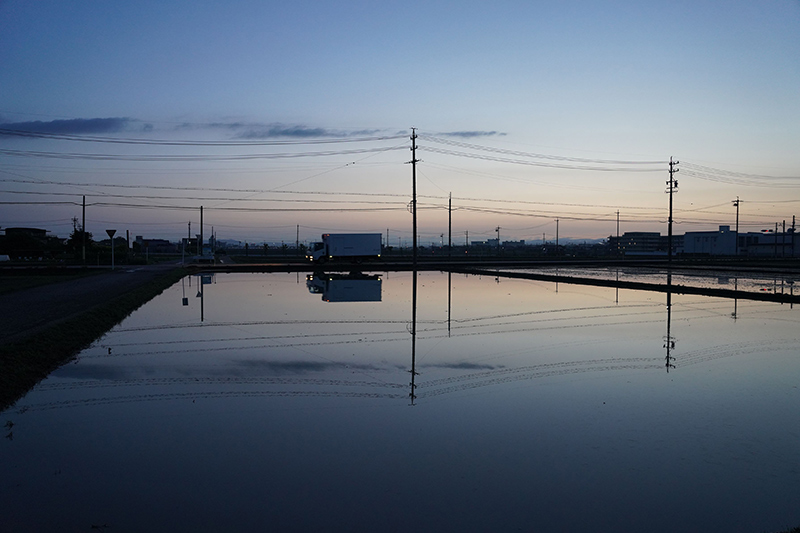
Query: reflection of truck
[
  {"x": 354, "y": 287},
  {"x": 345, "y": 246}
]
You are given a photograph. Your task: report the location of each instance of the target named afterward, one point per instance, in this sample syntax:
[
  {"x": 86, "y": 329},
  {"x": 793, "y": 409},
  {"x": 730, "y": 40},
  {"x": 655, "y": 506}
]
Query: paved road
[{"x": 22, "y": 313}]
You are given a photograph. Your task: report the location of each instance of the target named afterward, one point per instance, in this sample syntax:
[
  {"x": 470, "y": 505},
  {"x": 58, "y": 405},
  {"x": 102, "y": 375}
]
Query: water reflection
[
  {"x": 533, "y": 409},
  {"x": 352, "y": 287}
]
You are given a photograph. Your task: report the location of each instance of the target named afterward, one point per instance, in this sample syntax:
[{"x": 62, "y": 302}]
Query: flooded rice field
[{"x": 385, "y": 402}]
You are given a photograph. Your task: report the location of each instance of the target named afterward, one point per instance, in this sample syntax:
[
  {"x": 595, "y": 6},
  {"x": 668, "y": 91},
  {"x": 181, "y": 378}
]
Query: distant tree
[{"x": 75, "y": 242}]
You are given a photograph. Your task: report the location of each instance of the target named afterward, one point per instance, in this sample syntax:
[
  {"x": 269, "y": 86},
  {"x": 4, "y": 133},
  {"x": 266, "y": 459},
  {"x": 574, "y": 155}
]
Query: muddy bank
[{"x": 42, "y": 328}]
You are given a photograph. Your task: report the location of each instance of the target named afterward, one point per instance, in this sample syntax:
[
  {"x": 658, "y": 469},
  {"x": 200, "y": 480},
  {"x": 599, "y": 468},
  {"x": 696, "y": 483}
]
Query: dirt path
[{"x": 24, "y": 312}]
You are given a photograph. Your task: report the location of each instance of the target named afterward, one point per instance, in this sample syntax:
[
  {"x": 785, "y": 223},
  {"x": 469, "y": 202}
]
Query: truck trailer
[{"x": 353, "y": 247}]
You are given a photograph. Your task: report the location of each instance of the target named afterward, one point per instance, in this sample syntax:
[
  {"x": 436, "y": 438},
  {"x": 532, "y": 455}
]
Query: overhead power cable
[
  {"x": 538, "y": 163},
  {"x": 517, "y": 153},
  {"x": 738, "y": 178}
]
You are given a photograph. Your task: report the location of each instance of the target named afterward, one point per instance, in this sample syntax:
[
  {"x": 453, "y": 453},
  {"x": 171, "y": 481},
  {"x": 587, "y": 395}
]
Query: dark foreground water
[{"x": 248, "y": 402}]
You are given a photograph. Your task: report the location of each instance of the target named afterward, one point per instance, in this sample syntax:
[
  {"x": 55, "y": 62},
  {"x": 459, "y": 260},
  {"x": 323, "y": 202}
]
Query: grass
[{"x": 24, "y": 363}]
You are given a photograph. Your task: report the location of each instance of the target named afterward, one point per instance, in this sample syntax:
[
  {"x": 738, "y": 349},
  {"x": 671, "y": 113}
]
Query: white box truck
[{"x": 353, "y": 247}]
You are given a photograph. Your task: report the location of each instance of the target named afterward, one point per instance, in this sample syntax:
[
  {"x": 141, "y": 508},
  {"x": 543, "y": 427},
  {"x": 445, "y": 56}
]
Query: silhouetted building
[{"x": 722, "y": 242}]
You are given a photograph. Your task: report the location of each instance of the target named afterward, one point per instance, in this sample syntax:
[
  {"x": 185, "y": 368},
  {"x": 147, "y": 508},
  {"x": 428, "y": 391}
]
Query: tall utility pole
[
  {"x": 783, "y": 240},
  {"x": 450, "y": 226},
  {"x": 200, "y": 244},
  {"x": 414, "y": 162},
  {"x": 83, "y": 232},
  {"x": 672, "y": 187},
  {"x": 497, "y": 229},
  {"x": 556, "y": 237},
  {"x": 617, "y": 231},
  {"x": 736, "y": 205}
]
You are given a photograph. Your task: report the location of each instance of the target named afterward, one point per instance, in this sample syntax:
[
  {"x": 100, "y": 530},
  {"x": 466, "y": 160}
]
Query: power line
[
  {"x": 537, "y": 163},
  {"x": 517, "y": 153}
]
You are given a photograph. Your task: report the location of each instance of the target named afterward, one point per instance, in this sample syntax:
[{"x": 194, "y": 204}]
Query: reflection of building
[{"x": 353, "y": 287}]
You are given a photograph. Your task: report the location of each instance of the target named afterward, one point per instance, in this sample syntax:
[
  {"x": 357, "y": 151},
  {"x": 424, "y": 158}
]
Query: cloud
[
  {"x": 276, "y": 130},
  {"x": 79, "y": 126},
  {"x": 471, "y": 134},
  {"x": 280, "y": 130}
]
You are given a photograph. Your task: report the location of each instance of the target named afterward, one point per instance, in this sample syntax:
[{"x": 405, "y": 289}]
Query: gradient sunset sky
[{"x": 273, "y": 115}]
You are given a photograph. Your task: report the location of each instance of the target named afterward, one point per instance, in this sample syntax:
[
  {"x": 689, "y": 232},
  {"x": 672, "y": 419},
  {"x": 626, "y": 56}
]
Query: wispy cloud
[
  {"x": 471, "y": 134},
  {"x": 79, "y": 126}
]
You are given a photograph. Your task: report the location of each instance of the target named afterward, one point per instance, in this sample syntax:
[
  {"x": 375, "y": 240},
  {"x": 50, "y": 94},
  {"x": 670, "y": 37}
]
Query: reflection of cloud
[
  {"x": 297, "y": 367},
  {"x": 470, "y": 134},
  {"x": 78, "y": 125},
  {"x": 93, "y": 371},
  {"x": 465, "y": 366}
]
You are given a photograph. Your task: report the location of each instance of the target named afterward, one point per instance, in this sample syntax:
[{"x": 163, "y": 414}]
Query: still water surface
[{"x": 252, "y": 402}]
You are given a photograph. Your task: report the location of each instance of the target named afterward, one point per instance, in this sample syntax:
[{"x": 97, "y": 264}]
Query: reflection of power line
[
  {"x": 204, "y": 381},
  {"x": 138, "y": 398},
  {"x": 496, "y": 377}
]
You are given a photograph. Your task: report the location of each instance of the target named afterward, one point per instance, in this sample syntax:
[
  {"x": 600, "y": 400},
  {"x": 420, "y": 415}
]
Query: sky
[{"x": 286, "y": 120}]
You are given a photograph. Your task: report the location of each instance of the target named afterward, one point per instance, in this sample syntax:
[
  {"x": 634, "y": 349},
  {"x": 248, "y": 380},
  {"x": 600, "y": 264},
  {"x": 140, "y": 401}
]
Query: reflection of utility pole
[
  {"x": 735, "y": 313},
  {"x": 669, "y": 340},
  {"x": 672, "y": 187},
  {"x": 413, "y": 370},
  {"x": 449, "y": 298},
  {"x": 736, "y": 205}
]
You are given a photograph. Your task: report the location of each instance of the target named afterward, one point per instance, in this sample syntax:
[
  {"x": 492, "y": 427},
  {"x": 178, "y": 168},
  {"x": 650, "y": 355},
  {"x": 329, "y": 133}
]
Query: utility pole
[
  {"x": 83, "y": 232},
  {"x": 556, "y": 237},
  {"x": 736, "y": 205},
  {"x": 672, "y": 187},
  {"x": 466, "y": 238},
  {"x": 497, "y": 229},
  {"x": 414, "y": 162},
  {"x": 200, "y": 244},
  {"x": 297, "y": 240},
  {"x": 450, "y": 226},
  {"x": 783, "y": 240},
  {"x": 617, "y": 231}
]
